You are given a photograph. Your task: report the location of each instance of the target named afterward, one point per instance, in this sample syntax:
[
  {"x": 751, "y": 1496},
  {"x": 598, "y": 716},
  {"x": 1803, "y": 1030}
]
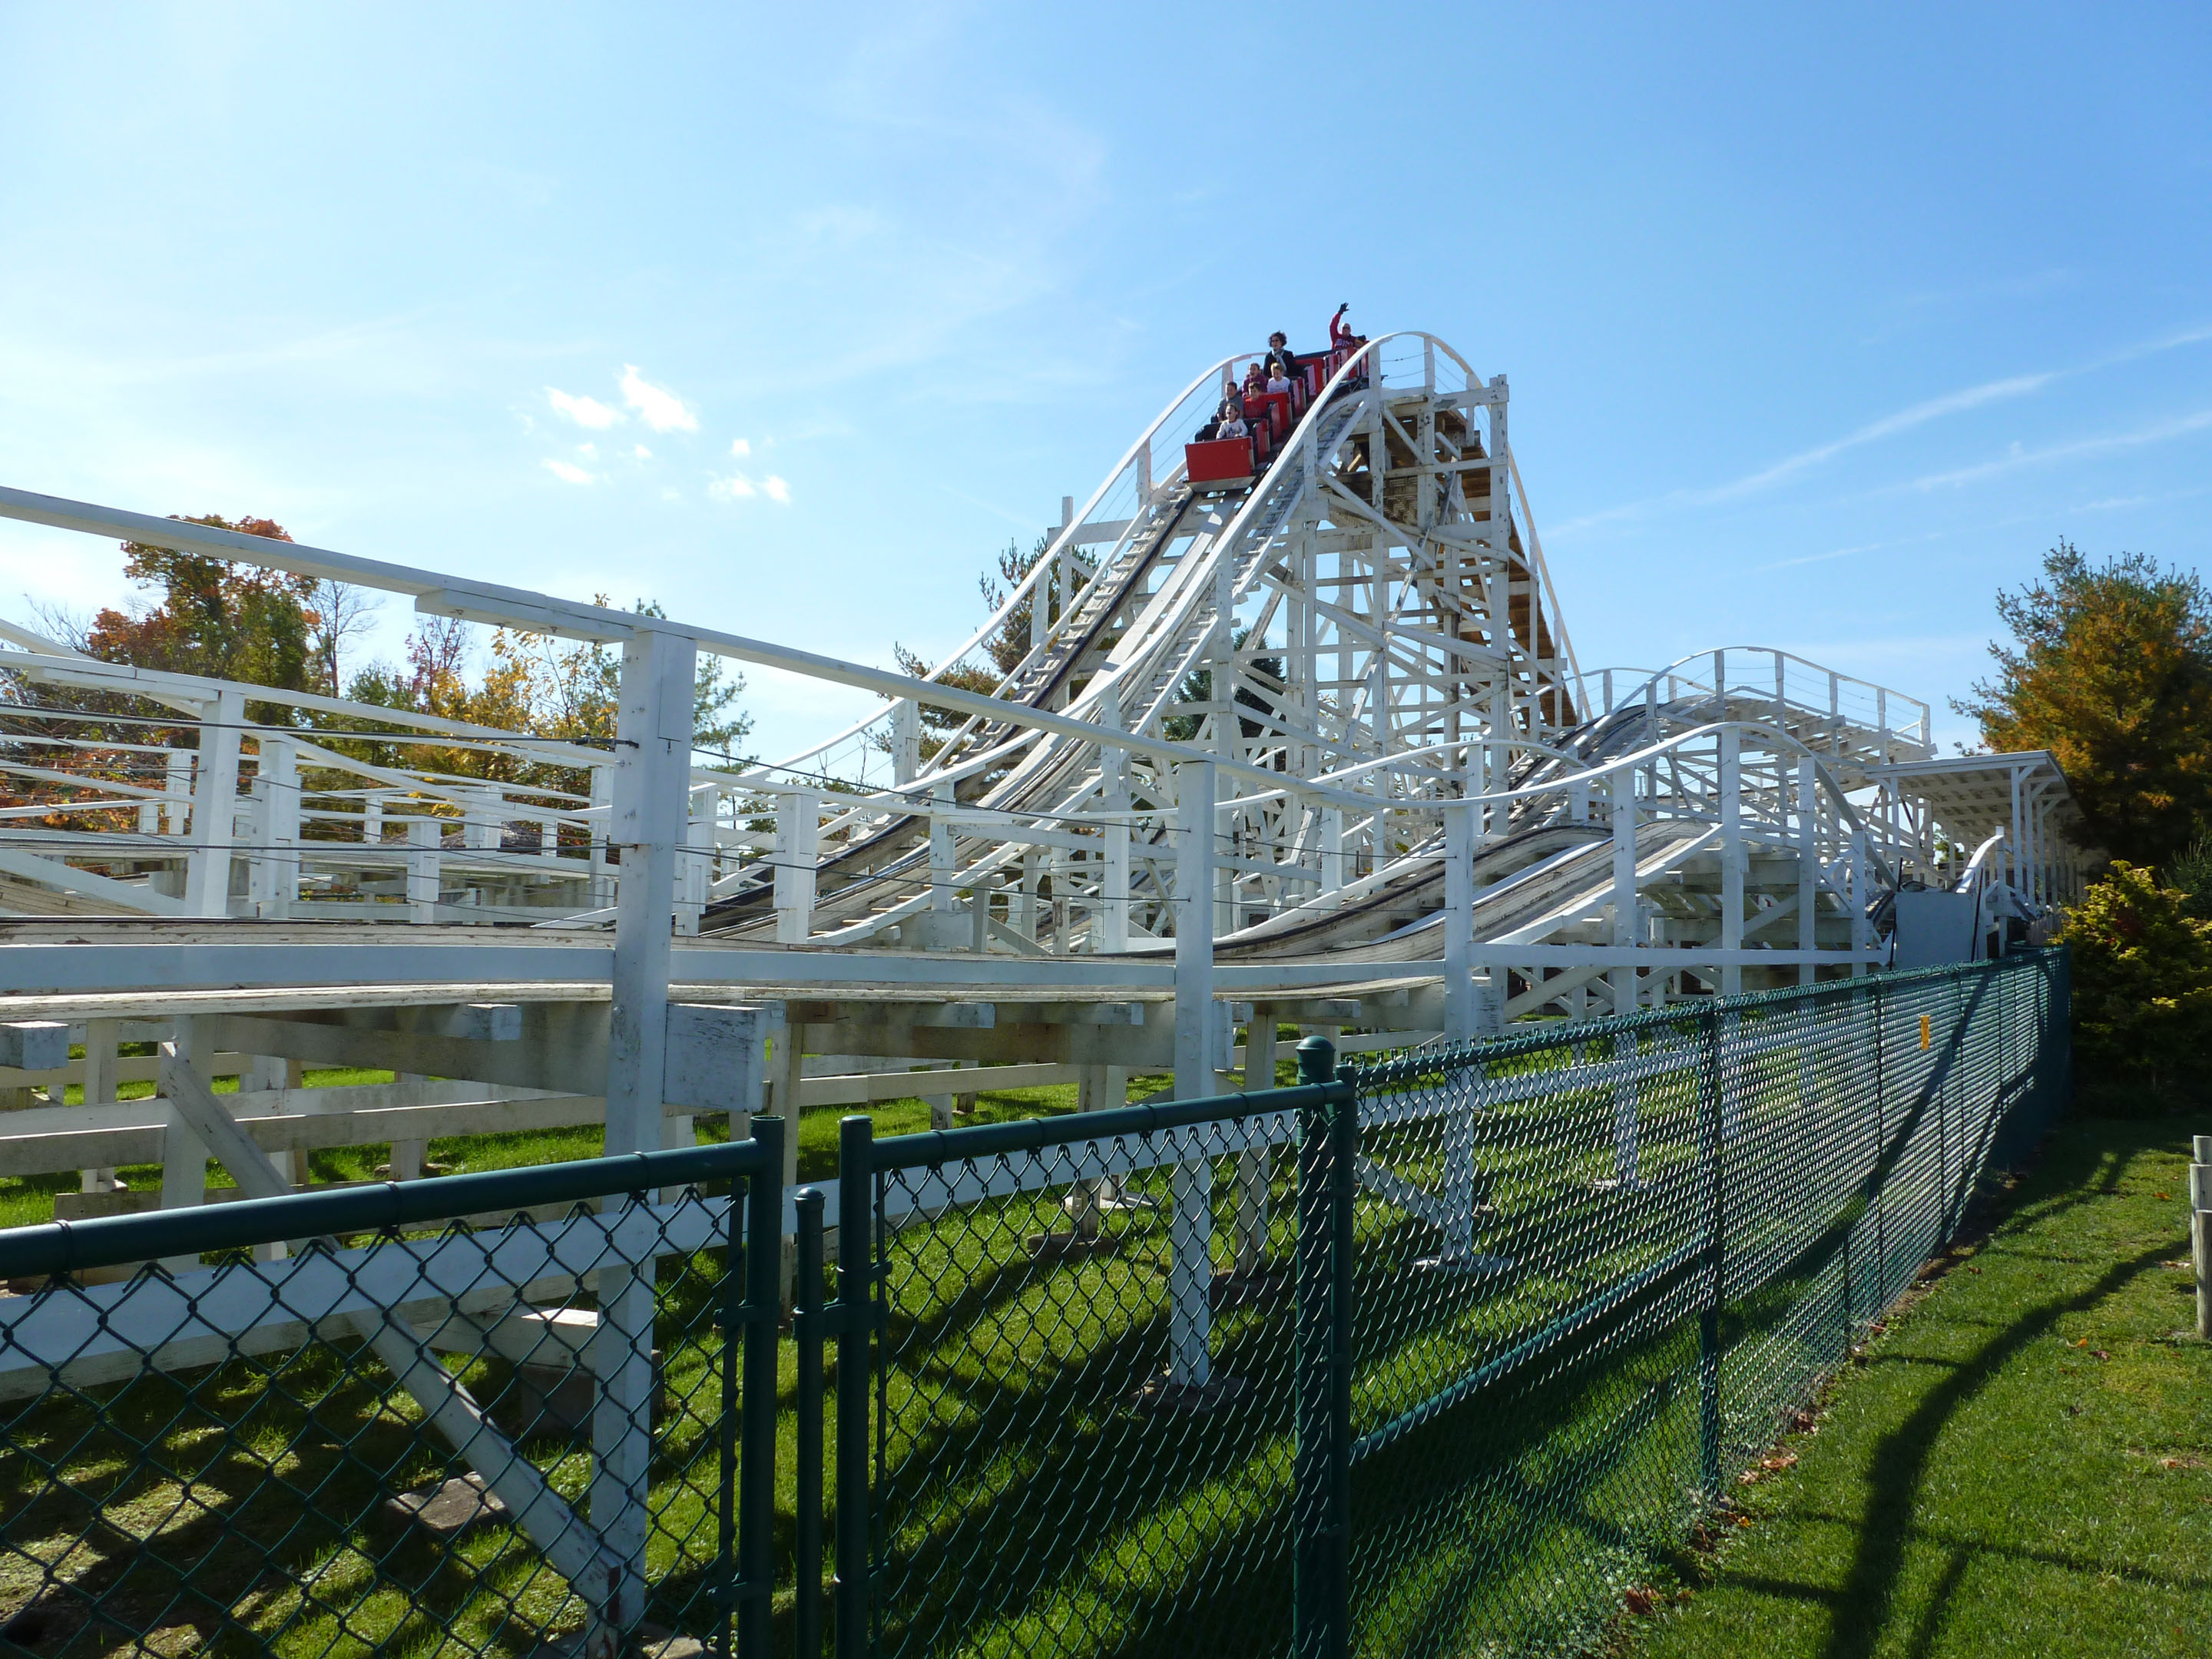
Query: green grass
[
  {"x": 28, "y": 1200},
  {"x": 2020, "y": 1464}
]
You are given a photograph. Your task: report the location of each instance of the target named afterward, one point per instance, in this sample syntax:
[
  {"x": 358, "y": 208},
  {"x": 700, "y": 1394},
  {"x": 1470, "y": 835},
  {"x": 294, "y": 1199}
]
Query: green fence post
[
  {"x": 757, "y": 1429},
  {"x": 1320, "y": 1471},
  {"x": 1709, "y": 1319},
  {"x": 1343, "y": 1173},
  {"x": 856, "y": 1275},
  {"x": 1882, "y": 1143},
  {"x": 806, "y": 1326}
]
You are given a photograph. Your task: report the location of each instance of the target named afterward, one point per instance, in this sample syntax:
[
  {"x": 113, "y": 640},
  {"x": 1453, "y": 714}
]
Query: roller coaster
[
  {"x": 1282, "y": 730},
  {"x": 1292, "y": 721}
]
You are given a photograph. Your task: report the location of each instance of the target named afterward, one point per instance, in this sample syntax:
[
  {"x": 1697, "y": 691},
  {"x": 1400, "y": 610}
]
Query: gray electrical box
[{"x": 1935, "y": 928}]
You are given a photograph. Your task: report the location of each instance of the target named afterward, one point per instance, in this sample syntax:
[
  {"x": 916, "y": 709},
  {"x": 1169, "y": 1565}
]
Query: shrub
[
  {"x": 2142, "y": 993},
  {"x": 2192, "y": 873}
]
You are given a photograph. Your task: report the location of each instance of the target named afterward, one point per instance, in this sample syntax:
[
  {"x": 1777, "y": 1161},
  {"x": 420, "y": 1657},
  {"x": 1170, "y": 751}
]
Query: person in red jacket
[{"x": 1342, "y": 342}]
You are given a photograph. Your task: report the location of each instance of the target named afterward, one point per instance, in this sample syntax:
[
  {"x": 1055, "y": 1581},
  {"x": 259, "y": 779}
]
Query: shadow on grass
[{"x": 1902, "y": 1456}]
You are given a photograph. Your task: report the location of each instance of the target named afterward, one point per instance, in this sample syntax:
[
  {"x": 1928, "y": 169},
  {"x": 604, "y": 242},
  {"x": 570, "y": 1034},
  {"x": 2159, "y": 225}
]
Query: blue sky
[{"x": 1820, "y": 330}]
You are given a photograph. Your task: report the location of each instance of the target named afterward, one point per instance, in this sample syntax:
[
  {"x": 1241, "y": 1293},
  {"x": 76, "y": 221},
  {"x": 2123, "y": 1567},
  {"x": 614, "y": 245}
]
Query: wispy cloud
[
  {"x": 777, "y": 490},
  {"x": 2018, "y": 457},
  {"x": 658, "y": 407},
  {"x": 642, "y": 453},
  {"x": 740, "y": 448},
  {"x": 1904, "y": 420},
  {"x": 567, "y": 473},
  {"x": 1820, "y": 558},
  {"x": 583, "y": 411}
]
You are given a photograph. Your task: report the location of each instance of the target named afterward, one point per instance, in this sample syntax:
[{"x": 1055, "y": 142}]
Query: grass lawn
[{"x": 2019, "y": 1463}]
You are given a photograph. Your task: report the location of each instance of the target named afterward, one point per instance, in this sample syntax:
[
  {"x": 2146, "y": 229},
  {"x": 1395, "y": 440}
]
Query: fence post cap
[{"x": 1317, "y": 1060}]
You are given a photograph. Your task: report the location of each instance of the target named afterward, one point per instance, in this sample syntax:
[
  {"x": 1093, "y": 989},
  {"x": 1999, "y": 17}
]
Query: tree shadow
[{"x": 1901, "y": 1459}]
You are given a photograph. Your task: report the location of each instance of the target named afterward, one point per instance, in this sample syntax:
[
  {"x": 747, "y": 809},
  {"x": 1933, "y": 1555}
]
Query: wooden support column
[
  {"x": 424, "y": 835},
  {"x": 1253, "y": 1163},
  {"x": 1861, "y": 934},
  {"x": 797, "y": 826},
  {"x": 1097, "y": 1089},
  {"x": 943, "y": 854},
  {"x": 280, "y": 797},
  {"x": 1190, "y": 1228},
  {"x": 1459, "y": 921},
  {"x": 408, "y": 1157},
  {"x": 101, "y": 1039},
  {"x": 1809, "y": 864},
  {"x": 1626, "y": 1105},
  {"x": 214, "y": 805},
  {"x": 184, "y": 1154},
  {"x": 1111, "y": 931},
  {"x": 651, "y": 792},
  {"x": 274, "y": 1072},
  {"x": 906, "y": 740},
  {"x": 1732, "y": 863}
]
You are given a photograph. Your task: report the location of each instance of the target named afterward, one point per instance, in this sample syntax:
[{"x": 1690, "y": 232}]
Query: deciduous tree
[{"x": 2110, "y": 668}]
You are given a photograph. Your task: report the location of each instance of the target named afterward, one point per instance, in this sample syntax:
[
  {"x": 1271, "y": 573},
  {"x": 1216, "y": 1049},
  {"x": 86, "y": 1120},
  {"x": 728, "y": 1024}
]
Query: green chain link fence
[
  {"x": 473, "y": 1415},
  {"x": 1432, "y": 1358},
  {"x": 1440, "y": 1373}
]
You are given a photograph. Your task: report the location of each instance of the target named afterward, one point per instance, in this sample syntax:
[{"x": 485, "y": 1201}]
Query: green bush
[
  {"x": 2142, "y": 994},
  {"x": 2192, "y": 873}
]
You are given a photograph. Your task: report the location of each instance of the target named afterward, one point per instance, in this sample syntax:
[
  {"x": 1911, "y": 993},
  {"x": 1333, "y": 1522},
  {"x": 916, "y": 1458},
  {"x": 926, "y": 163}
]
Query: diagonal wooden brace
[{"x": 568, "y": 1539}]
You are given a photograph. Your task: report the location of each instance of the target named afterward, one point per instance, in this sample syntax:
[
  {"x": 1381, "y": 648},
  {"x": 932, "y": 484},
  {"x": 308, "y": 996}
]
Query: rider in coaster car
[
  {"x": 1278, "y": 347},
  {"x": 1341, "y": 338}
]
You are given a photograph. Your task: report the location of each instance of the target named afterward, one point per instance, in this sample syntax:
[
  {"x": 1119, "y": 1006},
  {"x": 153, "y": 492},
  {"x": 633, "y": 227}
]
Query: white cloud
[
  {"x": 589, "y": 452},
  {"x": 584, "y": 412},
  {"x": 643, "y": 453},
  {"x": 662, "y": 411},
  {"x": 2019, "y": 456},
  {"x": 567, "y": 473},
  {"x": 740, "y": 448},
  {"x": 738, "y": 488}
]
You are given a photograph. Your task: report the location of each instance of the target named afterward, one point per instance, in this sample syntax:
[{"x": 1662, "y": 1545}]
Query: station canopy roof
[{"x": 1972, "y": 795}]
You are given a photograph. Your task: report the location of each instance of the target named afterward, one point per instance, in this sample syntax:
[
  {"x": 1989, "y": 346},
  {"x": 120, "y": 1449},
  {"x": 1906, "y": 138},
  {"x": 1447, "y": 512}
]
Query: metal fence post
[
  {"x": 2200, "y": 1230},
  {"x": 756, "y": 1466},
  {"x": 1320, "y": 1468},
  {"x": 855, "y": 1320},
  {"x": 1709, "y": 1319},
  {"x": 1881, "y": 1142},
  {"x": 806, "y": 1326}
]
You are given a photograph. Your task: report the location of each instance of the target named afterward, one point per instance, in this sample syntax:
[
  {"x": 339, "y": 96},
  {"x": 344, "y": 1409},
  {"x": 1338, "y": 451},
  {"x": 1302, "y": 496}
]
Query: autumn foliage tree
[
  {"x": 215, "y": 617},
  {"x": 2110, "y": 668},
  {"x": 537, "y": 685}
]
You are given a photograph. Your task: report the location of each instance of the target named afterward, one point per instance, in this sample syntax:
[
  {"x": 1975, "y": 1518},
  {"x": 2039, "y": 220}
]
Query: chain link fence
[
  {"x": 483, "y": 1414},
  {"x": 1441, "y": 1372},
  {"x": 1437, "y": 1357},
  {"x": 1599, "y": 1268}
]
